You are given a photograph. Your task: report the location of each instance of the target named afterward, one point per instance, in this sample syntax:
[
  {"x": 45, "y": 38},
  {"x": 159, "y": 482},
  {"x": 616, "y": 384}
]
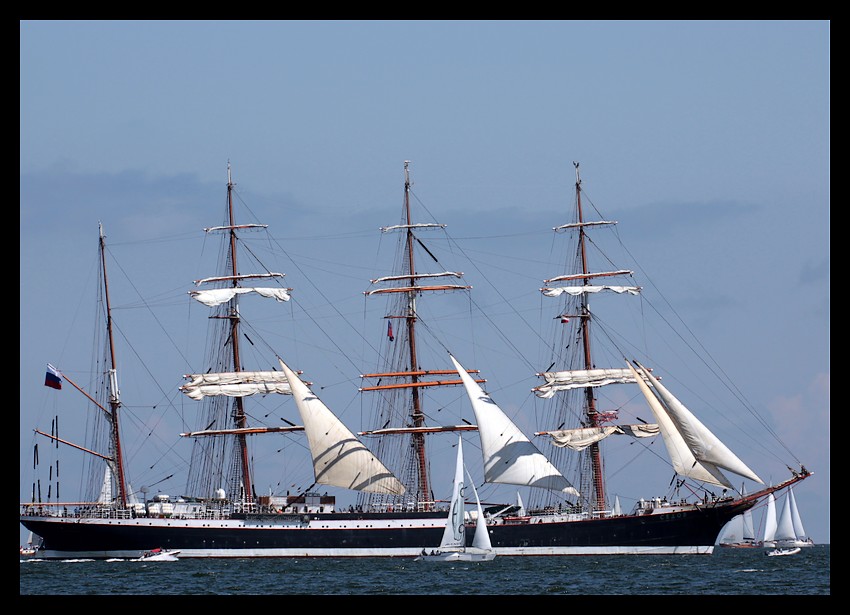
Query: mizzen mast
[{"x": 117, "y": 461}]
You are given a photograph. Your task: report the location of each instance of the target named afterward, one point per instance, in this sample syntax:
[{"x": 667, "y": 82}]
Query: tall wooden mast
[
  {"x": 240, "y": 418},
  {"x": 590, "y": 408},
  {"x": 416, "y": 409},
  {"x": 409, "y": 282},
  {"x": 114, "y": 394}
]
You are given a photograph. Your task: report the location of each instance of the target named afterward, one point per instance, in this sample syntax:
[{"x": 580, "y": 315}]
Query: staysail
[
  {"x": 705, "y": 446},
  {"x": 682, "y": 459},
  {"x": 339, "y": 458},
  {"x": 509, "y": 457}
]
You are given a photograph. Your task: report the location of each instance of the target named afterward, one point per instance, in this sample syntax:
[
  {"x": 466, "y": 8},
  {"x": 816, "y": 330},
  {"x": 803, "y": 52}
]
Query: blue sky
[{"x": 707, "y": 140}]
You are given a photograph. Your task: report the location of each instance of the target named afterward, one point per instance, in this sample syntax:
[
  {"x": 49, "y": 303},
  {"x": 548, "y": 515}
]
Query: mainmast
[
  {"x": 408, "y": 282},
  {"x": 590, "y": 408},
  {"x": 114, "y": 399},
  {"x": 416, "y": 410},
  {"x": 239, "y": 417}
]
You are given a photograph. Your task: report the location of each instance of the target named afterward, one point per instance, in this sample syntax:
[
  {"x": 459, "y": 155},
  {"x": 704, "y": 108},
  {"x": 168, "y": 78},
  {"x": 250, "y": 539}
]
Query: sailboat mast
[
  {"x": 114, "y": 399},
  {"x": 239, "y": 418},
  {"x": 417, "y": 415},
  {"x": 592, "y": 414}
]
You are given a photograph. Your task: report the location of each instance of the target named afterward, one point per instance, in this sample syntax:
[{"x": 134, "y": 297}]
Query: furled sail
[
  {"x": 236, "y": 384},
  {"x": 580, "y": 378},
  {"x": 339, "y": 458},
  {"x": 705, "y": 446},
  {"x": 579, "y": 290},
  {"x": 217, "y": 296},
  {"x": 509, "y": 457},
  {"x": 395, "y": 278},
  {"x": 580, "y": 439}
]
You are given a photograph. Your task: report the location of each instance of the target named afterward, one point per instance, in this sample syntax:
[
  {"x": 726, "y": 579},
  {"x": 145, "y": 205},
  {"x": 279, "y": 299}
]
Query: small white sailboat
[
  {"x": 789, "y": 529},
  {"x": 453, "y": 544},
  {"x": 30, "y": 548},
  {"x": 769, "y": 536},
  {"x": 739, "y": 533}
]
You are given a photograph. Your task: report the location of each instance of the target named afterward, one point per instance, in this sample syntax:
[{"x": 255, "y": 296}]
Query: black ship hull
[{"x": 681, "y": 530}]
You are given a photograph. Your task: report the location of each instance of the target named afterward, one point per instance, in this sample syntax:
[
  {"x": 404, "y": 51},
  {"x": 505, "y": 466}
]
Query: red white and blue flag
[
  {"x": 53, "y": 378},
  {"x": 390, "y": 331}
]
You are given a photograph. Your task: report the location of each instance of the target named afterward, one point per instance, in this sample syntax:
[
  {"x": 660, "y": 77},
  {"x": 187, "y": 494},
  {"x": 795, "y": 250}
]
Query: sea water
[{"x": 726, "y": 572}]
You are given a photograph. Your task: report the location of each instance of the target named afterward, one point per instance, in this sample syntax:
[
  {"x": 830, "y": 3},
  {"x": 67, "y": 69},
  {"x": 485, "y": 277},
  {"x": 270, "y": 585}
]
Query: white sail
[
  {"x": 580, "y": 378},
  {"x": 617, "y": 509},
  {"x": 705, "y": 446},
  {"x": 580, "y": 290},
  {"x": 454, "y": 536},
  {"x": 236, "y": 384},
  {"x": 105, "y": 496},
  {"x": 749, "y": 531},
  {"x": 481, "y": 538},
  {"x": 579, "y": 439},
  {"x": 217, "y": 296},
  {"x": 520, "y": 506},
  {"x": 682, "y": 459},
  {"x": 738, "y": 530},
  {"x": 733, "y": 531},
  {"x": 339, "y": 458},
  {"x": 785, "y": 525},
  {"x": 796, "y": 521},
  {"x": 770, "y": 522},
  {"x": 509, "y": 457}
]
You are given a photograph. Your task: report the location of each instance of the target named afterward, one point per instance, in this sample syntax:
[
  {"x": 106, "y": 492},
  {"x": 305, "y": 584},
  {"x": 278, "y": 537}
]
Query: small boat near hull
[
  {"x": 159, "y": 555},
  {"x": 457, "y": 556},
  {"x": 781, "y": 552},
  {"x": 453, "y": 547}
]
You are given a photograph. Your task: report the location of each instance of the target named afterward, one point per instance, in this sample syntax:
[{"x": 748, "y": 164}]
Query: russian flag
[
  {"x": 53, "y": 378},
  {"x": 390, "y": 331}
]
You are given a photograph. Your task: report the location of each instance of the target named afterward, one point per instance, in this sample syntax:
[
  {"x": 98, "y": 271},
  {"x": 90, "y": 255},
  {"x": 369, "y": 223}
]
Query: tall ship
[{"x": 559, "y": 503}]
